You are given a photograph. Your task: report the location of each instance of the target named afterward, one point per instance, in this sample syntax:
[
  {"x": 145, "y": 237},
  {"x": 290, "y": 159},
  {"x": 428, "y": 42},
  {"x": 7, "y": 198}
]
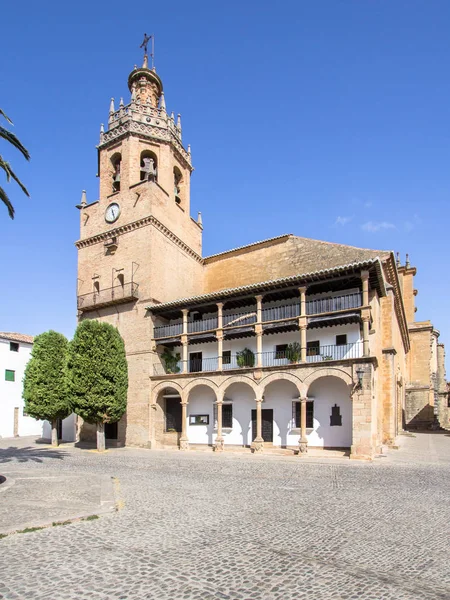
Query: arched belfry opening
[
  {"x": 116, "y": 162},
  {"x": 149, "y": 166},
  {"x": 178, "y": 186}
]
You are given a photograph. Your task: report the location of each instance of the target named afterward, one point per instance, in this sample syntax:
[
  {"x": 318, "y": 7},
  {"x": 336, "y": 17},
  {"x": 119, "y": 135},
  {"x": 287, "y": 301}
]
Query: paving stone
[{"x": 201, "y": 526}]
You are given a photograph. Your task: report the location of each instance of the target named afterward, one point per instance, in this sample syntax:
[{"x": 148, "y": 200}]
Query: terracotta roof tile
[{"x": 16, "y": 337}]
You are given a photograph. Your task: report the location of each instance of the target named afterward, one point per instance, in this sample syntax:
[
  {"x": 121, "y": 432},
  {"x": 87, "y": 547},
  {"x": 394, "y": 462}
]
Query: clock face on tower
[{"x": 112, "y": 213}]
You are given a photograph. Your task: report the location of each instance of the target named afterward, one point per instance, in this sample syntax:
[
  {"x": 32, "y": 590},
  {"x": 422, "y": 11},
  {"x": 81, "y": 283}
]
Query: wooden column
[
  {"x": 184, "y": 341},
  {"x": 258, "y": 442},
  {"x": 303, "y": 442},
  {"x": 184, "y": 441},
  {"x": 219, "y": 443},
  {"x": 219, "y": 336},
  {"x": 259, "y": 331}
]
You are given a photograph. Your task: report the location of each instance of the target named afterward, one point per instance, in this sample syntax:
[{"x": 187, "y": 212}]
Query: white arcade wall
[{"x": 325, "y": 393}]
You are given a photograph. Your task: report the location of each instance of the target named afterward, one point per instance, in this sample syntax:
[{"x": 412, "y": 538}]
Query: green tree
[
  {"x": 44, "y": 384},
  {"x": 5, "y": 134},
  {"x": 97, "y": 375}
]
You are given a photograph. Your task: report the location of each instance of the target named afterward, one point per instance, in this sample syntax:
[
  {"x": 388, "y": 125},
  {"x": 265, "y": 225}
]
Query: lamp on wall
[{"x": 360, "y": 375}]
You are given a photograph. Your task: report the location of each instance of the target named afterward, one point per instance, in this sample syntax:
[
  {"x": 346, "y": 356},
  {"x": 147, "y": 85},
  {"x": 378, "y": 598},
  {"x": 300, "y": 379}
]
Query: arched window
[
  {"x": 116, "y": 161},
  {"x": 149, "y": 166},
  {"x": 178, "y": 185}
]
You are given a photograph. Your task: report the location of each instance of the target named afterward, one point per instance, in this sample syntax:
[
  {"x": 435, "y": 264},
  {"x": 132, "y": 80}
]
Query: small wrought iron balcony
[{"x": 114, "y": 295}]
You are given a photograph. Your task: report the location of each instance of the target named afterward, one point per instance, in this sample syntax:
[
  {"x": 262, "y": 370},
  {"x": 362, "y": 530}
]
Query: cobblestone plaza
[{"x": 198, "y": 525}]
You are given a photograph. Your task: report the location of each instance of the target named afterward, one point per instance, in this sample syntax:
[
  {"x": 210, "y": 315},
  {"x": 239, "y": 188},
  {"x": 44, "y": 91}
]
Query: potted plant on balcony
[
  {"x": 171, "y": 361},
  {"x": 245, "y": 358},
  {"x": 293, "y": 352}
]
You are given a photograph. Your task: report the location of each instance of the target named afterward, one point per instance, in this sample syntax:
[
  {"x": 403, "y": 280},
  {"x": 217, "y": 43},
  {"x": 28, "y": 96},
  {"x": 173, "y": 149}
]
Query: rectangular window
[
  {"x": 10, "y": 375},
  {"x": 341, "y": 340},
  {"x": 280, "y": 351},
  {"x": 227, "y": 416},
  {"x": 13, "y": 346},
  {"x": 309, "y": 414},
  {"x": 226, "y": 357},
  {"x": 198, "y": 419},
  {"x": 313, "y": 348}
]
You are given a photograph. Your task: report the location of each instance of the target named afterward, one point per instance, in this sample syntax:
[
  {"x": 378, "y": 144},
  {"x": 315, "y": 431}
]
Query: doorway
[
  {"x": 267, "y": 424},
  {"x": 195, "y": 362},
  {"x": 111, "y": 431},
  {"x": 173, "y": 414}
]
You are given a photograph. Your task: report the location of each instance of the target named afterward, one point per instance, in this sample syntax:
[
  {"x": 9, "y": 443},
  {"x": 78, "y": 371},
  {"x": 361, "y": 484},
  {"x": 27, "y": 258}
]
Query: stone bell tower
[{"x": 138, "y": 243}]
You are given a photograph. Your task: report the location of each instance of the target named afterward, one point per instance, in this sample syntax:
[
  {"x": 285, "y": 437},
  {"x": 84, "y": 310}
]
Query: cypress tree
[
  {"x": 44, "y": 384},
  {"x": 97, "y": 372}
]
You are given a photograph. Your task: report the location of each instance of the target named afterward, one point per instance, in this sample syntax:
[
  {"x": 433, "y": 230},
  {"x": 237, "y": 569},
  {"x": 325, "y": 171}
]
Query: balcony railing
[
  {"x": 239, "y": 320},
  {"x": 315, "y": 354},
  {"x": 166, "y": 331},
  {"x": 333, "y": 304},
  {"x": 278, "y": 313},
  {"x": 288, "y": 311},
  {"x": 203, "y": 325},
  {"x": 114, "y": 295}
]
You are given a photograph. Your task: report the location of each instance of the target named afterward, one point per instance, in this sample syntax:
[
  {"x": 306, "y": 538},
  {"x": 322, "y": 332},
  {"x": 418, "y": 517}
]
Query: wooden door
[
  {"x": 173, "y": 414},
  {"x": 267, "y": 424}
]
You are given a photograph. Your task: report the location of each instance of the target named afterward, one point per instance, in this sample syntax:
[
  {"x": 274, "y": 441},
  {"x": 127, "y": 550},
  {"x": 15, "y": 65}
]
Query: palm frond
[
  {"x": 14, "y": 140},
  {"x": 4, "y": 198},
  {"x": 4, "y": 164},
  {"x": 5, "y": 116}
]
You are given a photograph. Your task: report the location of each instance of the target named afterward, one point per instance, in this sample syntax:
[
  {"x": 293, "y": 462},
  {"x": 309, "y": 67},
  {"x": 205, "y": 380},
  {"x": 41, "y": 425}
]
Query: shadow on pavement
[{"x": 29, "y": 454}]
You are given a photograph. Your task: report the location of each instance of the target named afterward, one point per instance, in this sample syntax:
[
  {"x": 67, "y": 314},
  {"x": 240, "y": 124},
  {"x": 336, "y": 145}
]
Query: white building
[{"x": 15, "y": 352}]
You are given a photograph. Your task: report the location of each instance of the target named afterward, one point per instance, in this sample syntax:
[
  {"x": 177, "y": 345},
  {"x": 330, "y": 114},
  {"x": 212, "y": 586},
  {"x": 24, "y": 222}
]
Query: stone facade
[{"x": 292, "y": 303}]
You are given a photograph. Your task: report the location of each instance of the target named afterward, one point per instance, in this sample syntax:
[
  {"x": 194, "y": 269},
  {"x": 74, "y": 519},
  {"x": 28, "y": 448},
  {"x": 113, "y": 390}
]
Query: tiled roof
[
  {"x": 16, "y": 337},
  {"x": 273, "y": 283}
]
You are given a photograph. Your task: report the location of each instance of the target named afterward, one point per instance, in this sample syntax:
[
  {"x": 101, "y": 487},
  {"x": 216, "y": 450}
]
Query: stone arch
[
  {"x": 239, "y": 379},
  {"x": 280, "y": 377},
  {"x": 159, "y": 387},
  {"x": 200, "y": 381},
  {"x": 325, "y": 372}
]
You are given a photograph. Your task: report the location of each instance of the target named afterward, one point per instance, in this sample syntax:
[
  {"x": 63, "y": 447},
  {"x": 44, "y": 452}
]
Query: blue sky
[{"x": 326, "y": 119}]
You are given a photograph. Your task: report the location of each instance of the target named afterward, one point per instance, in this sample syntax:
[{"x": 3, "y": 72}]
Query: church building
[{"x": 287, "y": 342}]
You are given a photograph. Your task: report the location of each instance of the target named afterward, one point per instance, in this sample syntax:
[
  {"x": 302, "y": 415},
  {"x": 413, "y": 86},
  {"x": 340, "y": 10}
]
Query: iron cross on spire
[{"x": 144, "y": 45}]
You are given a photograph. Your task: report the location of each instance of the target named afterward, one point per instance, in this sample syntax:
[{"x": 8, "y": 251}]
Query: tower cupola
[{"x": 145, "y": 85}]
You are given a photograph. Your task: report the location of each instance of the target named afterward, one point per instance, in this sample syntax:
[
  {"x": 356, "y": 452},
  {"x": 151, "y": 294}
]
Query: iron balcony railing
[
  {"x": 107, "y": 296},
  {"x": 334, "y": 304},
  {"x": 314, "y": 354}
]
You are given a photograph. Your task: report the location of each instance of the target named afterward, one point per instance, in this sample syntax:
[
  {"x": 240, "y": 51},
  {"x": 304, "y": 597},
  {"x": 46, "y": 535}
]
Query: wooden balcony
[
  {"x": 118, "y": 294},
  {"x": 278, "y": 318}
]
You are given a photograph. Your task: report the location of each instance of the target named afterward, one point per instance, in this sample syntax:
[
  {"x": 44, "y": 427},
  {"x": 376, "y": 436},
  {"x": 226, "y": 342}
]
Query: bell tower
[{"x": 138, "y": 243}]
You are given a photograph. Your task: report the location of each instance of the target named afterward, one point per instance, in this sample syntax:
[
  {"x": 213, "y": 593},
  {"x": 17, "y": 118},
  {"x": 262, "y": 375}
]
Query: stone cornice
[
  {"x": 150, "y": 220},
  {"x": 398, "y": 299}
]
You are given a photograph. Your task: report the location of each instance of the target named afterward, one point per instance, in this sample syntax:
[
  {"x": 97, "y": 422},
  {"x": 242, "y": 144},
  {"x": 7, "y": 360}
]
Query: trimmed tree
[
  {"x": 44, "y": 384},
  {"x": 97, "y": 375}
]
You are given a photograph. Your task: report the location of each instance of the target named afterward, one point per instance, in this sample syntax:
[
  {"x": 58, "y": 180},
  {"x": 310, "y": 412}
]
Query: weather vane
[{"x": 144, "y": 45}]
